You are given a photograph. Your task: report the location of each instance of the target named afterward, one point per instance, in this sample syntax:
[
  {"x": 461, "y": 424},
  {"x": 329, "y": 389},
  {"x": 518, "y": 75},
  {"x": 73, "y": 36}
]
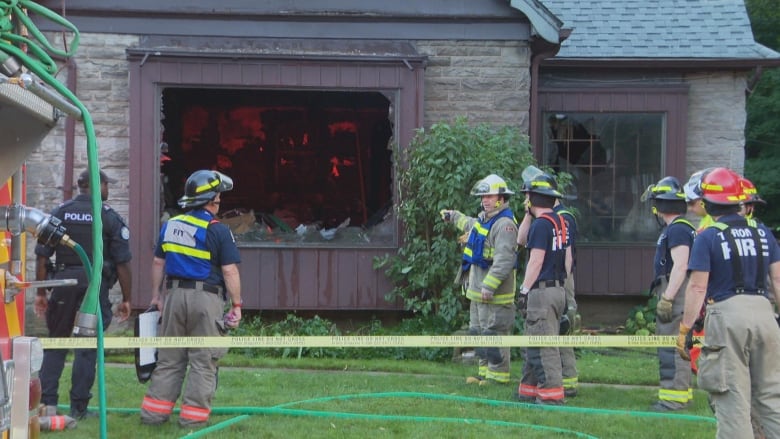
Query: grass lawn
[{"x": 326, "y": 398}]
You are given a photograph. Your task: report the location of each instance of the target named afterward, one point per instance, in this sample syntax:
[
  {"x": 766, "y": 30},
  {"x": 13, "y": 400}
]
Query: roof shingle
[{"x": 682, "y": 29}]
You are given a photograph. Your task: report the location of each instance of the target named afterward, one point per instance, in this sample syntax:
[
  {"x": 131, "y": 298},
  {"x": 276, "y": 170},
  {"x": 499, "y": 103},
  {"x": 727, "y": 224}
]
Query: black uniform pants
[{"x": 64, "y": 303}]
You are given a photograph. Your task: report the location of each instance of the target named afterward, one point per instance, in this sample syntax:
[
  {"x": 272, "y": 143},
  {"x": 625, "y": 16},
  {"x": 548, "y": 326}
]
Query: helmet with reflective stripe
[
  {"x": 491, "y": 185},
  {"x": 751, "y": 192},
  {"x": 203, "y": 186},
  {"x": 542, "y": 184},
  {"x": 692, "y": 188},
  {"x": 667, "y": 188},
  {"x": 723, "y": 186}
]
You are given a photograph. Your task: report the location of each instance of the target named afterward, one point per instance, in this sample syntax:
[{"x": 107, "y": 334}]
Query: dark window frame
[{"x": 357, "y": 286}]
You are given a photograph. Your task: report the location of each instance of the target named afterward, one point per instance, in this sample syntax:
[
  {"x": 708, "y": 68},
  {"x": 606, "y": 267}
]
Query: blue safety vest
[
  {"x": 474, "y": 253},
  {"x": 184, "y": 244}
]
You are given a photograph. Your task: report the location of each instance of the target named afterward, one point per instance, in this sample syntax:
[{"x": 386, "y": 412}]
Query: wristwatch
[
  {"x": 524, "y": 290},
  {"x": 239, "y": 304}
]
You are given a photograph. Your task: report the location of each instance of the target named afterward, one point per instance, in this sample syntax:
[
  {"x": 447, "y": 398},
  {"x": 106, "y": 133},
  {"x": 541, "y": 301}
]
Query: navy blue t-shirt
[
  {"x": 542, "y": 235},
  {"x": 673, "y": 235},
  {"x": 712, "y": 253}
]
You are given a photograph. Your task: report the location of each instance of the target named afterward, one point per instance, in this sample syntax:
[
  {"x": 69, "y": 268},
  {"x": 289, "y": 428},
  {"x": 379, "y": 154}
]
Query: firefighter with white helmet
[
  {"x": 488, "y": 273},
  {"x": 692, "y": 190},
  {"x": 669, "y": 268},
  {"x": 542, "y": 297},
  {"x": 728, "y": 271}
]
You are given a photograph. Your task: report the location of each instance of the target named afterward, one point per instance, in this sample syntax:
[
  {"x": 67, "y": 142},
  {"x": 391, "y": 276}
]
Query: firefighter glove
[
  {"x": 446, "y": 215},
  {"x": 522, "y": 303},
  {"x": 663, "y": 310},
  {"x": 682, "y": 342}
]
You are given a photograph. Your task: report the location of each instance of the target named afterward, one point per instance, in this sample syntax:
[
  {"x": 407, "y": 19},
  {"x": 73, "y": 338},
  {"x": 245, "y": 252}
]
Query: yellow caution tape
[{"x": 358, "y": 341}]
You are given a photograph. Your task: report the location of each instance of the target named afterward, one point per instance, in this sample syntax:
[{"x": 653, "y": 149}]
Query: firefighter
[
  {"x": 669, "y": 267},
  {"x": 692, "y": 191},
  {"x": 488, "y": 264},
  {"x": 728, "y": 267},
  {"x": 568, "y": 359},
  {"x": 749, "y": 206},
  {"x": 693, "y": 198},
  {"x": 542, "y": 297},
  {"x": 60, "y": 309},
  {"x": 199, "y": 259}
]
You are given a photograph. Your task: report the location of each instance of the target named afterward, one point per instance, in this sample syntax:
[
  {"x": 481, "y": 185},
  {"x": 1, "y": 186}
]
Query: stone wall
[
  {"x": 485, "y": 81},
  {"x": 716, "y": 121},
  {"x": 103, "y": 88}
]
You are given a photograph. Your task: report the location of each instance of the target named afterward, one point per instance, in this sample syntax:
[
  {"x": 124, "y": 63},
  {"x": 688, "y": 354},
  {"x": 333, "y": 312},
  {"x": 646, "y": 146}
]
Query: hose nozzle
[
  {"x": 85, "y": 325},
  {"x": 17, "y": 218}
]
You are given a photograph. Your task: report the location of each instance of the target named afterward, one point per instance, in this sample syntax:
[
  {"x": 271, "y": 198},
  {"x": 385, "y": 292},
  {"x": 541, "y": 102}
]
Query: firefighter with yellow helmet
[{"x": 488, "y": 267}]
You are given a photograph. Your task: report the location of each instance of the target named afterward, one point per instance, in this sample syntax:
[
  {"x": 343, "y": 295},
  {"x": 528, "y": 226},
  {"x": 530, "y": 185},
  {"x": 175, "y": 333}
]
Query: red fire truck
[{"x": 25, "y": 118}]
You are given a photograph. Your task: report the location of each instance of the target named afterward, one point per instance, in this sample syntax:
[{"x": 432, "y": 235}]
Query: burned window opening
[{"x": 310, "y": 167}]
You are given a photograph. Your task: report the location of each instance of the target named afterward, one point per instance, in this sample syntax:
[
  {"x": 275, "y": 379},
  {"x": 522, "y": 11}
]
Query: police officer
[
  {"x": 489, "y": 259},
  {"x": 60, "y": 309},
  {"x": 199, "y": 259},
  {"x": 542, "y": 296},
  {"x": 670, "y": 266},
  {"x": 728, "y": 266}
]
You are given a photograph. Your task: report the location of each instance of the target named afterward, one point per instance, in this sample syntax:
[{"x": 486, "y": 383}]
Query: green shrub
[
  {"x": 294, "y": 325},
  {"x": 440, "y": 167},
  {"x": 641, "y": 318}
]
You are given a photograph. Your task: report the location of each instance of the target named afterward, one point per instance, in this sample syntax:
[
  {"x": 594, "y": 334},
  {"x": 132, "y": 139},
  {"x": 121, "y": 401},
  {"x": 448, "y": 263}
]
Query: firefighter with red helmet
[
  {"x": 728, "y": 271},
  {"x": 542, "y": 296},
  {"x": 488, "y": 263},
  {"x": 196, "y": 258},
  {"x": 669, "y": 267},
  {"x": 751, "y": 192}
]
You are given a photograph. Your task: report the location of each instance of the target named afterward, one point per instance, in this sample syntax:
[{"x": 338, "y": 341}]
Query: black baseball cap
[{"x": 84, "y": 179}]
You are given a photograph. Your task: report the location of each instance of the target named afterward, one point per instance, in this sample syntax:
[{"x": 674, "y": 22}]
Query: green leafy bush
[
  {"x": 440, "y": 167},
  {"x": 294, "y": 325},
  {"x": 641, "y": 318}
]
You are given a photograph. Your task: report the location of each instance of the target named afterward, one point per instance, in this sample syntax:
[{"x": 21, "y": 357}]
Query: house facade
[{"x": 309, "y": 109}]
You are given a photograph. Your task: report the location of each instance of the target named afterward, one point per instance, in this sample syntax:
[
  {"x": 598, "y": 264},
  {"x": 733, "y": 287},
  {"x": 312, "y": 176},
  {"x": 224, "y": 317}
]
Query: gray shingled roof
[{"x": 681, "y": 29}]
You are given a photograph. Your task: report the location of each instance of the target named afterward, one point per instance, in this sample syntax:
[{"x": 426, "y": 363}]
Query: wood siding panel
[
  {"x": 367, "y": 296},
  {"x": 290, "y": 75},
  {"x": 231, "y": 73},
  {"x": 271, "y": 74},
  {"x": 328, "y": 278},
  {"x": 192, "y": 73},
  {"x": 348, "y": 75},
  {"x": 583, "y": 272},
  {"x": 614, "y": 270},
  {"x": 308, "y": 283},
  {"x": 616, "y": 280},
  {"x": 211, "y": 74},
  {"x": 346, "y": 293},
  {"x": 268, "y": 285}
]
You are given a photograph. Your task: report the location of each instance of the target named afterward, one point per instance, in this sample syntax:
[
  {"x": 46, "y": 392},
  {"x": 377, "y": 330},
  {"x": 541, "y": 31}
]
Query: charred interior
[{"x": 308, "y": 166}]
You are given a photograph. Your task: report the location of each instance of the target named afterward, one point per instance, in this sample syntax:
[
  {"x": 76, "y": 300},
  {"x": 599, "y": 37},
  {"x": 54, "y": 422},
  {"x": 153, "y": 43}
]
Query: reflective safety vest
[
  {"x": 475, "y": 252},
  {"x": 184, "y": 242}
]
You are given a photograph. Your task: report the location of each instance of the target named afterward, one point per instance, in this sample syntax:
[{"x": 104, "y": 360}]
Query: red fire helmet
[{"x": 723, "y": 186}]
